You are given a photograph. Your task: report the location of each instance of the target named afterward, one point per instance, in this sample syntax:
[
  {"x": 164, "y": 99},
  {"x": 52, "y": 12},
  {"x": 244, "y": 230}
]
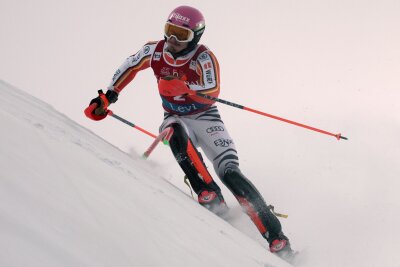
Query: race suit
[
  {"x": 200, "y": 118},
  {"x": 202, "y": 124}
]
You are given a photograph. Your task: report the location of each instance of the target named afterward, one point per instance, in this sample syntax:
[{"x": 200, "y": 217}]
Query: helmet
[{"x": 189, "y": 18}]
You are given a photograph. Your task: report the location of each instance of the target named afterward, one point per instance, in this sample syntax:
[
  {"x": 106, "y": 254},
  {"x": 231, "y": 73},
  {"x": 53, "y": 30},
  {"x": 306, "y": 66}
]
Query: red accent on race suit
[
  {"x": 199, "y": 70},
  {"x": 189, "y": 70},
  {"x": 248, "y": 207},
  {"x": 198, "y": 163}
]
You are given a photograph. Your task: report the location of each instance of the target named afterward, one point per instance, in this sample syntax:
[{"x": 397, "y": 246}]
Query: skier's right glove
[{"x": 97, "y": 109}]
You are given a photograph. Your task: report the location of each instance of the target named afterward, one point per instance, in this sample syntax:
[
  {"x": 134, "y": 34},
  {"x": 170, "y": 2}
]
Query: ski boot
[
  {"x": 281, "y": 247},
  {"x": 213, "y": 202}
]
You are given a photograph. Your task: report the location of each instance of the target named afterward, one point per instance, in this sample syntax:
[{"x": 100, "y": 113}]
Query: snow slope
[{"x": 69, "y": 198}]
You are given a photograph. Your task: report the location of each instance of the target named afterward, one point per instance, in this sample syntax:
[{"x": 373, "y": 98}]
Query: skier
[{"x": 183, "y": 67}]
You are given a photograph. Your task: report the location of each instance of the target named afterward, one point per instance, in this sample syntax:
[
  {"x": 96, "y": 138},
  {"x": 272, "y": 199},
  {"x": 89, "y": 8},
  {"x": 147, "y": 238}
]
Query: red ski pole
[
  {"x": 338, "y": 136},
  {"x": 163, "y": 136},
  {"x": 110, "y": 113}
]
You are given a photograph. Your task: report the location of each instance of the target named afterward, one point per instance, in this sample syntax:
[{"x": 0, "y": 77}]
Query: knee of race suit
[
  {"x": 228, "y": 159},
  {"x": 178, "y": 142},
  {"x": 248, "y": 195},
  {"x": 190, "y": 160}
]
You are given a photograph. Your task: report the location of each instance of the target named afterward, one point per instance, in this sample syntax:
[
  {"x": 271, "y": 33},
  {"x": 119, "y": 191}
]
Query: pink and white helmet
[{"x": 189, "y": 18}]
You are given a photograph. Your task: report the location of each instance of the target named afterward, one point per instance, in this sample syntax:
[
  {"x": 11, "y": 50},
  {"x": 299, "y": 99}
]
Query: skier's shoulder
[
  {"x": 149, "y": 47},
  {"x": 144, "y": 53},
  {"x": 204, "y": 53},
  {"x": 151, "y": 43},
  {"x": 201, "y": 48}
]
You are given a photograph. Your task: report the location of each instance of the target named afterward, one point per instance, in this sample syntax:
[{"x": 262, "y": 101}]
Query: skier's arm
[
  {"x": 132, "y": 65},
  {"x": 122, "y": 77},
  {"x": 208, "y": 70}
]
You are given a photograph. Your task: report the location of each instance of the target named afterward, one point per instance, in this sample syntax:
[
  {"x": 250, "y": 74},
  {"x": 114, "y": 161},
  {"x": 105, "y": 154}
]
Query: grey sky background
[{"x": 334, "y": 65}]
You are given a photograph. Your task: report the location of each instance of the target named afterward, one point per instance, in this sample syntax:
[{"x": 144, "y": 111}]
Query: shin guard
[
  {"x": 191, "y": 161},
  {"x": 253, "y": 203}
]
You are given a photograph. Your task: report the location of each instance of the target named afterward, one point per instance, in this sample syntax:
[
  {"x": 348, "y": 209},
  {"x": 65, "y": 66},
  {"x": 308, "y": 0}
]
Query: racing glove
[
  {"x": 172, "y": 86},
  {"x": 97, "y": 109}
]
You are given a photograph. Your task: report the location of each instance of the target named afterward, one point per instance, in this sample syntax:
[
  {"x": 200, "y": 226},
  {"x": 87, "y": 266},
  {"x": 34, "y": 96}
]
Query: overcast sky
[{"x": 325, "y": 63}]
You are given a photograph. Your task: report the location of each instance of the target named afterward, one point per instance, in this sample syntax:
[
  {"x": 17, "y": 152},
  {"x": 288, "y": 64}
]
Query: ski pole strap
[
  {"x": 338, "y": 136},
  {"x": 277, "y": 214}
]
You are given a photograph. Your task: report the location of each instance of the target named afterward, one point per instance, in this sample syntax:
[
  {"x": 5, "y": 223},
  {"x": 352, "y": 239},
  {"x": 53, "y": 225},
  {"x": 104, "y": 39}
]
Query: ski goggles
[{"x": 181, "y": 34}]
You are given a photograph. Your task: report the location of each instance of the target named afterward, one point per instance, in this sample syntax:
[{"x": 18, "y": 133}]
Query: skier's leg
[
  {"x": 219, "y": 147},
  {"x": 253, "y": 203},
  {"x": 191, "y": 162}
]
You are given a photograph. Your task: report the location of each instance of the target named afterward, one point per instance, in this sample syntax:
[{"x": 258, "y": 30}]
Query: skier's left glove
[
  {"x": 97, "y": 109},
  {"x": 171, "y": 86}
]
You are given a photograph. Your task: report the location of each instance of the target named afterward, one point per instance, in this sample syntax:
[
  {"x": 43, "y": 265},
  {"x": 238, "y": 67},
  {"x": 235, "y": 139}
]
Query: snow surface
[{"x": 70, "y": 198}]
